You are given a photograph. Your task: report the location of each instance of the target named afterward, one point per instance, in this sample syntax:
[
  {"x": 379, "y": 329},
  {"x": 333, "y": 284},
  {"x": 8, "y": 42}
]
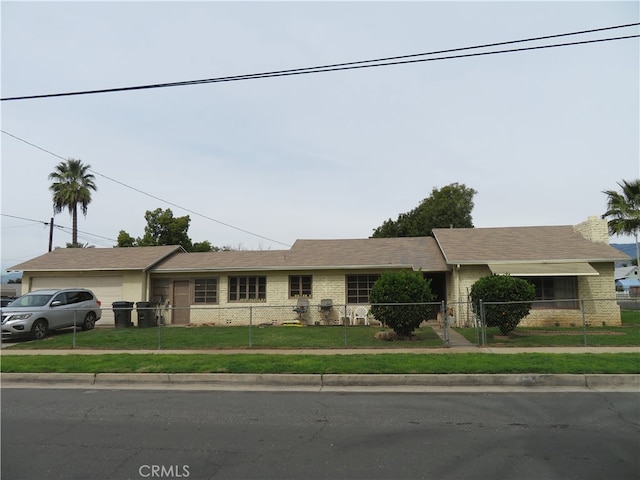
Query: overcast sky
[{"x": 260, "y": 163}]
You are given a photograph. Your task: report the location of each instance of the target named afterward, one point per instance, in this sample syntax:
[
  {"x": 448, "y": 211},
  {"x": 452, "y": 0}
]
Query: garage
[{"x": 108, "y": 289}]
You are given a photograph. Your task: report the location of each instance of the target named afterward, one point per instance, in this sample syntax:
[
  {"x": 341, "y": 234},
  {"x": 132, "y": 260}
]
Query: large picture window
[
  {"x": 299, "y": 286},
  {"x": 247, "y": 288},
  {"x": 555, "y": 292},
  {"x": 205, "y": 290},
  {"x": 359, "y": 286}
]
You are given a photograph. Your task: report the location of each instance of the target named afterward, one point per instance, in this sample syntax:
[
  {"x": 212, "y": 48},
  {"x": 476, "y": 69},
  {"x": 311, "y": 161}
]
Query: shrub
[
  {"x": 407, "y": 289},
  {"x": 503, "y": 288}
]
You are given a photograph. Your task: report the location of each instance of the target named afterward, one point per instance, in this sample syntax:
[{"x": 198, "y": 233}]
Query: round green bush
[
  {"x": 400, "y": 301},
  {"x": 503, "y": 288}
]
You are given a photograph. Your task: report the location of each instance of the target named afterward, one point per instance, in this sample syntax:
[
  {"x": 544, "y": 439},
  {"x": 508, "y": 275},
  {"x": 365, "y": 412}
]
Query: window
[
  {"x": 205, "y": 290},
  {"x": 62, "y": 298},
  {"x": 247, "y": 288},
  {"x": 359, "y": 286},
  {"x": 550, "y": 291},
  {"x": 299, "y": 286},
  {"x": 85, "y": 297}
]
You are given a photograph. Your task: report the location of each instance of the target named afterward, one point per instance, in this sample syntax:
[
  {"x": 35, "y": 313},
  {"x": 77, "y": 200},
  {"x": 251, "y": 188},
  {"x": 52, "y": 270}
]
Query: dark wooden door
[{"x": 181, "y": 302}]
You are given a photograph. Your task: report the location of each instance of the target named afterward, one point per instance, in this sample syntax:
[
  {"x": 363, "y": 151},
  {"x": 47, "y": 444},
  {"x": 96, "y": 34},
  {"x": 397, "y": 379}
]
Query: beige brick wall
[
  {"x": 278, "y": 307},
  {"x": 459, "y": 283},
  {"x": 597, "y": 291},
  {"x": 594, "y": 229},
  {"x": 599, "y": 302}
]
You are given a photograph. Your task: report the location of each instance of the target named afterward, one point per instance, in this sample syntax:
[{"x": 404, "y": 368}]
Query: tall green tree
[
  {"x": 72, "y": 186},
  {"x": 449, "y": 206},
  {"x": 623, "y": 211},
  {"x": 165, "y": 229}
]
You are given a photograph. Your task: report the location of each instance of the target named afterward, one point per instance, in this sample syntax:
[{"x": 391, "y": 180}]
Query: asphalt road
[{"x": 137, "y": 434}]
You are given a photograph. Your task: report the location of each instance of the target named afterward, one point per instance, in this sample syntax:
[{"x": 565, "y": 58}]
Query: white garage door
[{"x": 107, "y": 289}]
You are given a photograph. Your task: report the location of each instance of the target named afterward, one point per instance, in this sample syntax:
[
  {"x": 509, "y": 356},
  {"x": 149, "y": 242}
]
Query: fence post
[
  {"x": 158, "y": 325},
  {"x": 584, "y": 322},
  {"x": 445, "y": 323},
  {"x": 250, "y": 326},
  {"x": 75, "y": 326},
  {"x": 345, "y": 324},
  {"x": 483, "y": 331}
]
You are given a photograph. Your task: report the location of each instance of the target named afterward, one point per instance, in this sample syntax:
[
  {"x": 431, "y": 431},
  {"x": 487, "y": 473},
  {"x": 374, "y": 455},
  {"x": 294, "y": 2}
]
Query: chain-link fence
[
  {"x": 566, "y": 322},
  {"x": 579, "y": 322}
]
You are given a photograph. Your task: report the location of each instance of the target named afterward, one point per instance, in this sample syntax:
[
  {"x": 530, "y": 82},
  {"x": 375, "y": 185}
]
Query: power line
[
  {"x": 23, "y": 218},
  {"x": 60, "y": 227},
  {"x": 386, "y": 61},
  {"x": 188, "y": 210},
  {"x": 152, "y": 196},
  {"x": 379, "y": 62}
]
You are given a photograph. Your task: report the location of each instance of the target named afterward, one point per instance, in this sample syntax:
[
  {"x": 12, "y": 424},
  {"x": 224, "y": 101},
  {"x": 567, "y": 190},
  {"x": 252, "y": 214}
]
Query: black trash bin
[
  {"x": 122, "y": 314},
  {"x": 146, "y": 314}
]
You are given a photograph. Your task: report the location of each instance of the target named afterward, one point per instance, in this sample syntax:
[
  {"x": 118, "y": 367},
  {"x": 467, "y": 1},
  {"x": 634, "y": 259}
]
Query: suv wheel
[
  {"x": 39, "y": 329},
  {"x": 89, "y": 321}
]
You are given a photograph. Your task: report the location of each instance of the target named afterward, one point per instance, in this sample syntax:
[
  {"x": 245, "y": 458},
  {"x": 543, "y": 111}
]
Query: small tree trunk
[{"x": 74, "y": 232}]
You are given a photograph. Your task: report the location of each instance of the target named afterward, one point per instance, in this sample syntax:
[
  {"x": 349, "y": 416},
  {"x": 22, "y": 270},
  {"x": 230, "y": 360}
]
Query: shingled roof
[
  {"x": 225, "y": 260},
  {"x": 469, "y": 246},
  {"x": 88, "y": 259},
  {"x": 417, "y": 253},
  {"x": 521, "y": 244}
]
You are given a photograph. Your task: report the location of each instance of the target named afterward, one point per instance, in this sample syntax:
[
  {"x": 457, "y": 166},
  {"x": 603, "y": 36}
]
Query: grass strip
[{"x": 468, "y": 363}]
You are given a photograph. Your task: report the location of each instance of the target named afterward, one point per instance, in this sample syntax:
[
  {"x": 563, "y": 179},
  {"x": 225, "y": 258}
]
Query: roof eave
[{"x": 502, "y": 262}]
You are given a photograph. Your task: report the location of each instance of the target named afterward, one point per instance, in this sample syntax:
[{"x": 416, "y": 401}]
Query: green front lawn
[
  {"x": 208, "y": 337},
  {"x": 244, "y": 337},
  {"x": 559, "y": 337},
  {"x": 627, "y": 335}
]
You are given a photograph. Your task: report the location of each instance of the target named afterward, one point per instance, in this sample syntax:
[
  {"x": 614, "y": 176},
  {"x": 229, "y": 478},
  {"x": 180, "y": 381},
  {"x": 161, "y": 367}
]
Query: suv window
[
  {"x": 85, "y": 296},
  {"x": 73, "y": 297},
  {"x": 61, "y": 297}
]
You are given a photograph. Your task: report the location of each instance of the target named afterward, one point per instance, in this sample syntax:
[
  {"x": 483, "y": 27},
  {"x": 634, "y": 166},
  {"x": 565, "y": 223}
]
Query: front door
[{"x": 181, "y": 302}]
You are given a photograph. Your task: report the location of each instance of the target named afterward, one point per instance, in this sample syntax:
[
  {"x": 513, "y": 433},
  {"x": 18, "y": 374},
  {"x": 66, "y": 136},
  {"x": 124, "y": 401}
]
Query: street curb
[
  {"x": 245, "y": 379},
  {"x": 602, "y": 380},
  {"x": 7, "y": 379},
  {"x": 456, "y": 380},
  {"x": 316, "y": 381}
]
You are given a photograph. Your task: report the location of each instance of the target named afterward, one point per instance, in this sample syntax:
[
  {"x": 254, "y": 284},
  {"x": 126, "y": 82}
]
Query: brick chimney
[{"x": 594, "y": 229}]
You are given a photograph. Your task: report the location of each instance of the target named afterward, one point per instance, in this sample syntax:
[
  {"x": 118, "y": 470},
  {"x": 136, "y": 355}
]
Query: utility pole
[{"x": 51, "y": 235}]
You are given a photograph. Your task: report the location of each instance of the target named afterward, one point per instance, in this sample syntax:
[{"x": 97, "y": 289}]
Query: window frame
[
  {"x": 239, "y": 288},
  {"x": 363, "y": 284},
  {"x": 300, "y": 280},
  {"x": 206, "y": 300},
  {"x": 548, "y": 289}
]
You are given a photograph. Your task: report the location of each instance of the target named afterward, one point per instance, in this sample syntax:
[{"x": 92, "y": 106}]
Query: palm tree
[
  {"x": 623, "y": 211},
  {"x": 72, "y": 186}
]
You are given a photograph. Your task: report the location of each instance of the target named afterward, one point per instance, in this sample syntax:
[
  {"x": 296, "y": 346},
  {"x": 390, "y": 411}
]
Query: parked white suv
[{"x": 36, "y": 313}]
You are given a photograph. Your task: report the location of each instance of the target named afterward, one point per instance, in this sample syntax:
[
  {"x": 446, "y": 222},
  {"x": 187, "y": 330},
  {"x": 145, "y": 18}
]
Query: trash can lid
[{"x": 122, "y": 304}]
